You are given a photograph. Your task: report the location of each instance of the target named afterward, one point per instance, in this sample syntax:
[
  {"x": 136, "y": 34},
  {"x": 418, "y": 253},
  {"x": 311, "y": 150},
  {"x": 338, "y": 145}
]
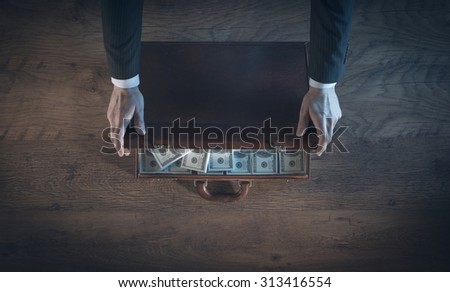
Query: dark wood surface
[{"x": 384, "y": 206}]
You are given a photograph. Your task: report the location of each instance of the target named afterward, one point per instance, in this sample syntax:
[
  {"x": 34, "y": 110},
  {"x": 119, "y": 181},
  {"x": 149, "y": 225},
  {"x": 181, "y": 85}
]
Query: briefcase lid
[{"x": 194, "y": 90}]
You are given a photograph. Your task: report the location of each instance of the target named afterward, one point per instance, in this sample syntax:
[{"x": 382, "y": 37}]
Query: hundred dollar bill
[
  {"x": 166, "y": 156},
  {"x": 220, "y": 160},
  {"x": 292, "y": 161},
  {"x": 264, "y": 162},
  {"x": 241, "y": 162},
  {"x": 148, "y": 163},
  {"x": 212, "y": 173},
  {"x": 196, "y": 160},
  {"x": 176, "y": 168}
]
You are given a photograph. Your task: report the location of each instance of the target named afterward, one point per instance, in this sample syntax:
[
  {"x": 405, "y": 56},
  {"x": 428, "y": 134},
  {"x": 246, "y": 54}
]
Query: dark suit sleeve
[
  {"x": 122, "y": 25},
  {"x": 329, "y": 34}
]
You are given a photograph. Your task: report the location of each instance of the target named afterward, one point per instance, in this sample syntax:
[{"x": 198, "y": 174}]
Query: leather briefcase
[{"x": 222, "y": 111}]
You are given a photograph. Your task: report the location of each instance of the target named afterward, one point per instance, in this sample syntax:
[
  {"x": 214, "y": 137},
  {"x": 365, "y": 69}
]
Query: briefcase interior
[{"x": 232, "y": 97}]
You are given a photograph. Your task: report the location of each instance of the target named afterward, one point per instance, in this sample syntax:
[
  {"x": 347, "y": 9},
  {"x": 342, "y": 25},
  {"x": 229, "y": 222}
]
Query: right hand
[
  {"x": 321, "y": 105},
  {"x": 124, "y": 104}
]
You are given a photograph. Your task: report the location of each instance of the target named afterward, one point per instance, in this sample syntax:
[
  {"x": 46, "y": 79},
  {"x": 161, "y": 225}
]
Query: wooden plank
[{"x": 162, "y": 240}]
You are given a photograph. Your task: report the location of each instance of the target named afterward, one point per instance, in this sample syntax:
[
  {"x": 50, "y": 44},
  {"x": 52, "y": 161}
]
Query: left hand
[
  {"x": 321, "y": 105},
  {"x": 124, "y": 104}
]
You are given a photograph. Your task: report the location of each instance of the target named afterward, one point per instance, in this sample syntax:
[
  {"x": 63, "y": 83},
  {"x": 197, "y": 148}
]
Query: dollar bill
[
  {"x": 196, "y": 160},
  {"x": 165, "y": 156},
  {"x": 241, "y": 162},
  {"x": 148, "y": 163},
  {"x": 264, "y": 162},
  {"x": 220, "y": 161},
  {"x": 292, "y": 161},
  {"x": 212, "y": 173},
  {"x": 176, "y": 168}
]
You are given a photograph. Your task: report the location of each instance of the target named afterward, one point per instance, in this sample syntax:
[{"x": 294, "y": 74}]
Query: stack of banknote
[{"x": 165, "y": 160}]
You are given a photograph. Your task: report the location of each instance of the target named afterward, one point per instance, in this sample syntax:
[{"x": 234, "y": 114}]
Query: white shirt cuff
[
  {"x": 126, "y": 83},
  {"x": 315, "y": 84}
]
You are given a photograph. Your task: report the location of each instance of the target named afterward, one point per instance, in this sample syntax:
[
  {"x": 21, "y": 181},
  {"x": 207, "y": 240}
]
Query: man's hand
[
  {"x": 124, "y": 104},
  {"x": 322, "y": 107}
]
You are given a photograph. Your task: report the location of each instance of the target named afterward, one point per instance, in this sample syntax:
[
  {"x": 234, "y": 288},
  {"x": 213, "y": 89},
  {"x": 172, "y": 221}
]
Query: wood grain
[{"x": 384, "y": 206}]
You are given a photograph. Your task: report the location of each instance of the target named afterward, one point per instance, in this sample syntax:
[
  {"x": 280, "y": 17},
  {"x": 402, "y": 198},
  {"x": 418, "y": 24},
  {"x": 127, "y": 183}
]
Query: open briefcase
[{"x": 222, "y": 111}]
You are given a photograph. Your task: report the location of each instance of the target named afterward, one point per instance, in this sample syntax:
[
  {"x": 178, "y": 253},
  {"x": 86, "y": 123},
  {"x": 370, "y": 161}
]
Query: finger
[
  {"x": 321, "y": 144},
  {"x": 319, "y": 124},
  {"x": 303, "y": 120},
  {"x": 117, "y": 136},
  {"x": 119, "y": 147},
  {"x": 123, "y": 151},
  {"x": 126, "y": 151},
  {"x": 327, "y": 135},
  {"x": 114, "y": 136},
  {"x": 323, "y": 126},
  {"x": 302, "y": 125},
  {"x": 139, "y": 119}
]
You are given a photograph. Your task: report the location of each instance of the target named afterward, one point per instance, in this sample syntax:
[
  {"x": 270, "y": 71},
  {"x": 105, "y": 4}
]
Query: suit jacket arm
[
  {"x": 122, "y": 26},
  {"x": 329, "y": 34}
]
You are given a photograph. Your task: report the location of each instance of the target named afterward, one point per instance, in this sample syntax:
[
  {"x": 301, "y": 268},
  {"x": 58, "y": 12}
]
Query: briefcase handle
[{"x": 202, "y": 190}]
